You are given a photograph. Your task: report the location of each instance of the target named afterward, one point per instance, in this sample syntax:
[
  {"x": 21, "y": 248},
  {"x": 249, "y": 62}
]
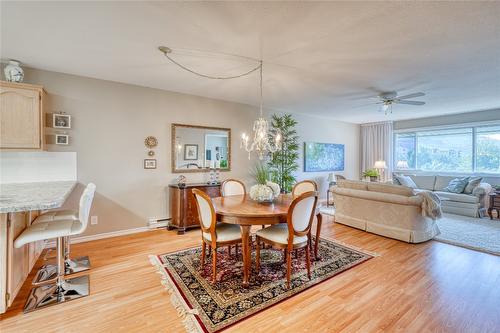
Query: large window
[{"x": 462, "y": 150}]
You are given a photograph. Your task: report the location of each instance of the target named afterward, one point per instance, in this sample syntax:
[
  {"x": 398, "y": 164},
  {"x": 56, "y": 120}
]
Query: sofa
[
  {"x": 473, "y": 205},
  {"x": 384, "y": 209}
]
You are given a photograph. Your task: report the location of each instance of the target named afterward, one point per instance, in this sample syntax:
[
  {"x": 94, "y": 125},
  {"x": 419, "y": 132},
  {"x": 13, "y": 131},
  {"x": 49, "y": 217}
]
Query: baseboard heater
[{"x": 154, "y": 223}]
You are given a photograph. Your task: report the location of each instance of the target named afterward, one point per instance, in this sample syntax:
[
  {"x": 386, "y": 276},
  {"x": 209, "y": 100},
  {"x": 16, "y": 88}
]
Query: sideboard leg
[{"x": 181, "y": 231}]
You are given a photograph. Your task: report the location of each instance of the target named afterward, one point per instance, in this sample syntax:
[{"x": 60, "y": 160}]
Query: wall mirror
[{"x": 199, "y": 148}]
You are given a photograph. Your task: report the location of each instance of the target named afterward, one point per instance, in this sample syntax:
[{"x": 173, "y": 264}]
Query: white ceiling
[{"x": 319, "y": 58}]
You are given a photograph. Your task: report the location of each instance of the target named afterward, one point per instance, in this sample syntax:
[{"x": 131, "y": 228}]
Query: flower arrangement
[{"x": 264, "y": 190}]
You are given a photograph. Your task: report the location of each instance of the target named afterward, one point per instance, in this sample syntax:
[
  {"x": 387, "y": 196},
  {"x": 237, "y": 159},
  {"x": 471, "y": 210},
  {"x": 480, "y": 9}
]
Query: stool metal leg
[
  {"x": 48, "y": 272},
  {"x": 62, "y": 290}
]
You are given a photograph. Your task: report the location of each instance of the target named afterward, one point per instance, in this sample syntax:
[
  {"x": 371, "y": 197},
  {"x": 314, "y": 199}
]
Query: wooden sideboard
[{"x": 183, "y": 211}]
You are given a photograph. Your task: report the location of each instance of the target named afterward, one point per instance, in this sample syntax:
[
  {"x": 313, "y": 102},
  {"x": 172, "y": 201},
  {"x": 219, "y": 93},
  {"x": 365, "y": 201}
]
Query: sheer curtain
[{"x": 376, "y": 145}]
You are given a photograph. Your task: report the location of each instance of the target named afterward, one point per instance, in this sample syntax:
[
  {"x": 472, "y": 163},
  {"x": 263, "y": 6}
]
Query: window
[
  {"x": 462, "y": 150},
  {"x": 488, "y": 149}
]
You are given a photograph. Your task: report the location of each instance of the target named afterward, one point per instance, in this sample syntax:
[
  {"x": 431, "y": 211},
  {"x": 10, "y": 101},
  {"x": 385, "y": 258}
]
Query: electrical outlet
[{"x": 93, "y": 220}]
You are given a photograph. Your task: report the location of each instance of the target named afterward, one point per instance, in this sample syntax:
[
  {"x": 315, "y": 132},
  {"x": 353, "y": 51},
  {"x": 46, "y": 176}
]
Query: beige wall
[{"x": 110, "y": 121}]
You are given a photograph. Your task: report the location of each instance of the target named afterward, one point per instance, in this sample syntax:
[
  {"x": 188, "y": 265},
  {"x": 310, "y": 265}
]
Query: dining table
[{"x": 245, "y": 212}]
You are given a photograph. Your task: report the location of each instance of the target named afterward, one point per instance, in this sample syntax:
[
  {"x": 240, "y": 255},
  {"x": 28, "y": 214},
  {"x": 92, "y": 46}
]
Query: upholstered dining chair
[
  {"x": 303, "y": 187},
  {"x": 213, "y": 234},
  {"x": 295, "y": 234},
  {"x": 232, "y": 187}
]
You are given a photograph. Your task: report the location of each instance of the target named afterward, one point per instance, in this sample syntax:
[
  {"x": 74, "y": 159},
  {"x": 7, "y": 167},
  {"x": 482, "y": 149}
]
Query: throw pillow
[
  {"x": 457, "y": 185},
  {"x": 406, "y": 181},
  {"x": 472, "y": 184}
]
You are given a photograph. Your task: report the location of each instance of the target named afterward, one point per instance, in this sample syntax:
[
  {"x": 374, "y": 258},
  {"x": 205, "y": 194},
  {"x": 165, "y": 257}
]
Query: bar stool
[
  {"x": 58, "y": 289},
  {"x": 72, "y": 265}
]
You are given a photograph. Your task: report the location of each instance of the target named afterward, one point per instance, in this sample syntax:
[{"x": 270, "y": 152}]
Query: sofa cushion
[
  {"x": 353, "y": 184},
  {"x": 392, "y": 189},
  {"x": 442, "y": 182},
  {"x": 460, "y": 197},
  {"x": 457, "y": 185},
  {"x": 424, "y": 182},
  {"x": 473, "y": 183},
  {"x": 405, "y": 181}
]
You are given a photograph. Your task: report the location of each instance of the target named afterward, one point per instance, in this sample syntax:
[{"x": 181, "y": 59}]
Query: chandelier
[
  {"x": 262, "y": 134},
  {"x": 265, "y": 139}
]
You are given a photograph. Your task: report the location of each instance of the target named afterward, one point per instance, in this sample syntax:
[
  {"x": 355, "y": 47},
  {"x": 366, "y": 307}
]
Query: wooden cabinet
[
  {"x": 21, "y": 116},
  {"x": 15, "y": 264},
  {"x": 183, "y": 206}
]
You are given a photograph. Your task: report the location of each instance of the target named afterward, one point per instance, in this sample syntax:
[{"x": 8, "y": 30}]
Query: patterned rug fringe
[{"x": 183, "y": 310}]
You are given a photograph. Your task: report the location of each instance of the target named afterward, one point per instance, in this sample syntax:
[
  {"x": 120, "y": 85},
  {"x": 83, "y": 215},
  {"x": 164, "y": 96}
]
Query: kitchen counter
[{"x": 19, "y": 197}]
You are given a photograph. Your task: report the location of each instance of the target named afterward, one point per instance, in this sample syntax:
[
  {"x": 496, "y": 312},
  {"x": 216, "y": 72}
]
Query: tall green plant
[{"x": 283, "y": 163}]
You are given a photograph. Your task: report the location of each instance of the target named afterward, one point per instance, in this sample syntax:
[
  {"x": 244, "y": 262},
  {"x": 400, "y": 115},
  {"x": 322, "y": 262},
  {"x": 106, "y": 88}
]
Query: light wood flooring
[{"x": 430, "y": 287}]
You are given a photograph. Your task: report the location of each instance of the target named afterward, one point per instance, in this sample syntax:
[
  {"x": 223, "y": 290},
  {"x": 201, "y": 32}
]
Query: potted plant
[
  {"x": 372, "y": 173},
  {"x": 264, "y": 190}
]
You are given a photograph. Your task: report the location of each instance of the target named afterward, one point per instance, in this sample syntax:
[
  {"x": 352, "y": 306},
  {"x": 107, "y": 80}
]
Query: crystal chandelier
[{"x": 264, "y": 139}]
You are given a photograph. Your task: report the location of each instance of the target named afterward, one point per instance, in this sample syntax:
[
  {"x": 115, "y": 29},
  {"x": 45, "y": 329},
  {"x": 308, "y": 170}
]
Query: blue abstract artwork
[{"x": 323, "y": 157}]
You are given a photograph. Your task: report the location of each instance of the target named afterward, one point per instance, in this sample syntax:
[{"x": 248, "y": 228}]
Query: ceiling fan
[{"x": 387, "y": 99}]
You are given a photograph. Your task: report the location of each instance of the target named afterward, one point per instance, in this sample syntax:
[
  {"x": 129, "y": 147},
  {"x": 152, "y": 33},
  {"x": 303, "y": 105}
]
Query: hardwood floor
[{"x": 430, "y": 287}]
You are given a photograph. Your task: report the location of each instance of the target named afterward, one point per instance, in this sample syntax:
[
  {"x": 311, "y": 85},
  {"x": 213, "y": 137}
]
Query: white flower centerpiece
[{"x": 264, "y": 190}]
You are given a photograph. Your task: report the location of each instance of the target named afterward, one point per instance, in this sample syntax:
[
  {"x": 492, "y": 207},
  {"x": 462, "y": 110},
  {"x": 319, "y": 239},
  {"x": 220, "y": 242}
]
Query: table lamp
[
  {"x": 402, "y": 165},
  {"x": 380, "y": 166},
  {"x": 331, "y": 179}
]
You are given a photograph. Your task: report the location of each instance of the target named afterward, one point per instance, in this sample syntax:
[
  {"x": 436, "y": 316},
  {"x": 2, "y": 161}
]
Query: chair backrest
[
  {"x": 85, "y": 205},
  {"x": 232, "y": 187},
  {"x": 303, "y": 187},
  {"x": 301, "y": 214},
  {"x": 206, "y": 212}
]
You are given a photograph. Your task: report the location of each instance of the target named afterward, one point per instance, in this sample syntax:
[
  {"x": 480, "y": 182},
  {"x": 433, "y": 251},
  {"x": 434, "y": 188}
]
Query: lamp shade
[
  {"x": 402, "y": 165},
  {"x": 331, "y": 177},
  {"x": 380, "y": 165}
]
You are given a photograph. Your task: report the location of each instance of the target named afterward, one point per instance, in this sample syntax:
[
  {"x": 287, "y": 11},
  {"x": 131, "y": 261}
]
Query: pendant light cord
[{"x": 215, "y": 77}]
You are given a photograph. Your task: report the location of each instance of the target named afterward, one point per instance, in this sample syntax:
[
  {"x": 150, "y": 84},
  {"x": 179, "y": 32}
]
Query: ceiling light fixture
[{"x": 265, "y": 139}]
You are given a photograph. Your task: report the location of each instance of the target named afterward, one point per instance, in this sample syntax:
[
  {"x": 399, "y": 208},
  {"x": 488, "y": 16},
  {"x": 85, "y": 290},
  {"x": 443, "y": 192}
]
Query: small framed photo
[
  {"x": 61, "y": 121},
  {"x": 150, "y": 163},
  {"x": 62, "y": 139},
  {"x": 190, "y": 152}
]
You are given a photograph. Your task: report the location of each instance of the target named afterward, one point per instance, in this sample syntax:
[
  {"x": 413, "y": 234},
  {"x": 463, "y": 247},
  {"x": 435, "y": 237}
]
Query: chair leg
[
  {"x": 214, "y": 265},
  {"x": 229, "y": 250},
  {"x": 203, "y": 255},
  {"x": 236, "y": 250},
  {"x": 296, "y": 253},
  {"x": 308, "y": 262},
  {"x": 288, "y": 267},
  {"x": 257, "y": 255},
  {"x": 284, "y": 256}
]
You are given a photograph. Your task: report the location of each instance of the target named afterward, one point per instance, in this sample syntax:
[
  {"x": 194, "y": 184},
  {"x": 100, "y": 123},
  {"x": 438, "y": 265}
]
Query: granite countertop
[{"x": 20, "y": 197}]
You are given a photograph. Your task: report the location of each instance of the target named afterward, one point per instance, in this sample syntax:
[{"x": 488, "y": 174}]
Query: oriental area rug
[{"x": 212, "y": 307}]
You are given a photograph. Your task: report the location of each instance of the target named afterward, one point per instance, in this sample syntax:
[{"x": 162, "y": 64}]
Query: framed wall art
[
  {"x": 60, "y": 120},
  {"x": 190, "y": 152},
  {"x": 323, "y": 157},
  {"x": 150, "y": 163}
]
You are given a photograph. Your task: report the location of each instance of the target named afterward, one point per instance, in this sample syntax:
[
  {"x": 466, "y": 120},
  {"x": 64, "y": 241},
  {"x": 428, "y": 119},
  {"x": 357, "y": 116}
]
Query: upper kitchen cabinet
[{"x": 21, "y": 116}]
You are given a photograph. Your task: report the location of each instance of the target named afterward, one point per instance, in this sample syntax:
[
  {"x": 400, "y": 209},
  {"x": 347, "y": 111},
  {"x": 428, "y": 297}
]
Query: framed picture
[
  {"x": 190, "y": 152},
  {"x": 323, "y": 157},
  {"x": 150, "y": 163},
  {"x": 62, "y": 139},
  {"x": 61, "y": 120}
]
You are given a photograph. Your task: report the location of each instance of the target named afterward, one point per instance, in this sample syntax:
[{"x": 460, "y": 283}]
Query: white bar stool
[
  {"x": 72, "y": 265},
  {"x": 58, "y": 289}
]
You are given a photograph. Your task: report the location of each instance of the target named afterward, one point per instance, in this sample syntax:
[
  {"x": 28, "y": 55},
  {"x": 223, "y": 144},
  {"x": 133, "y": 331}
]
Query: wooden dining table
[{"x": 245, "y": 212}]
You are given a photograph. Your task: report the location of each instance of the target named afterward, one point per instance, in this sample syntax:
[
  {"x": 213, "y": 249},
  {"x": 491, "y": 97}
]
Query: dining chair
[
  {"x": 213, "y": 234},
  {"x": 303, "y": 187},
  {"x": 232, "y": 187},
  {"x": 295, "y": 234}
]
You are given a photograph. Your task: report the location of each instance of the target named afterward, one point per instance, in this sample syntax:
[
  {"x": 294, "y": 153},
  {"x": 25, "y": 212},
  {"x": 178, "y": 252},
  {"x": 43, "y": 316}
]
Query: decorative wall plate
[{"x": 150, "y": 142}]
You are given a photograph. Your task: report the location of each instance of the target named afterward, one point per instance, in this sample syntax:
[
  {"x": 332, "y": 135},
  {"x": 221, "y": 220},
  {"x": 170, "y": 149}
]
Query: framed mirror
[{"x": 199, "y": 148}]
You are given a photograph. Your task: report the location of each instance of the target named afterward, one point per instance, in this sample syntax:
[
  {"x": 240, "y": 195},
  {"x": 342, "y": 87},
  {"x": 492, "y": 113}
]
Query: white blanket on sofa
[{"x": 431, "y": 205}]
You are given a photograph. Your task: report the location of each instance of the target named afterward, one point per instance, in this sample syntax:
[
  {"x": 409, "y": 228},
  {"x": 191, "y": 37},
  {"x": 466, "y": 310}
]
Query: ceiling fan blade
[
  {"x": 419, "y": 94},
  {"x": 409, "y": 102}
]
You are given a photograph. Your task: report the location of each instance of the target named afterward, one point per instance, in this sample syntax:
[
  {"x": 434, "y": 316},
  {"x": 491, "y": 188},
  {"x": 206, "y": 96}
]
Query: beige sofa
[
  {"x": 383, "y": 209},
  {"x": 473, "y": 205}
]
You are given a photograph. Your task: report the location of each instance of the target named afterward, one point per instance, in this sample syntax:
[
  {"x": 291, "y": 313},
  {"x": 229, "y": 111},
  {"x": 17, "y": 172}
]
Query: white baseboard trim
[{"x": 83, "y": 239}]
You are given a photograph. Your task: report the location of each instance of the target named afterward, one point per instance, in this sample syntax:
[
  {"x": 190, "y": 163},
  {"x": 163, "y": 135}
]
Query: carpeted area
[
  {"x": 208, "y": 307},
  {"x": 473, "y": 233}
]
